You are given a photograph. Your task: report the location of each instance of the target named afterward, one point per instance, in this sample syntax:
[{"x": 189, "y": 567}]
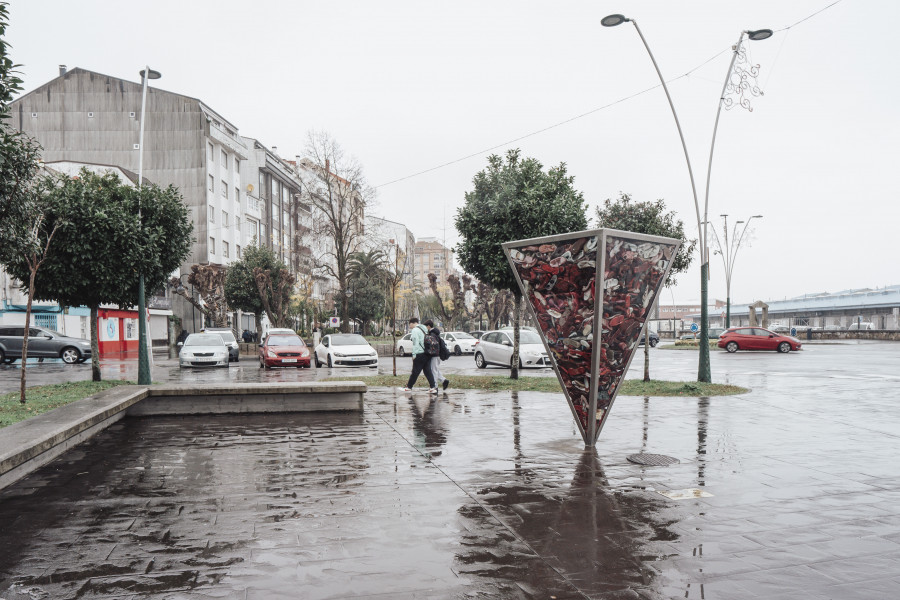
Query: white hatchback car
[
  {"x": 203, "y": 350},
  {"x": 496, "y": 348},
  {"x": 345, "y": 350},
  {"x": 404, "y": 345},
  {"x": 459, "y": 342}
]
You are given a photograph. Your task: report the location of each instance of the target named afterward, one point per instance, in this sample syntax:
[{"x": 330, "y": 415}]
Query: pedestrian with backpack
[
  {"x": 417, "y": 334},
  {"x": 443, "y": 353}
]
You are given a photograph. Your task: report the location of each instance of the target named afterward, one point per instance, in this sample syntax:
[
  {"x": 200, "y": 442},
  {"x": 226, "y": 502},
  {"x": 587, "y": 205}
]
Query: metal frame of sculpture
[{"x": 559, "y": 276}]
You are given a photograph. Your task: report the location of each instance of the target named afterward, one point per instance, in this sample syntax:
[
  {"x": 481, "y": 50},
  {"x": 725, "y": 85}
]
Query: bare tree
[
  {"x": 334, "y": 185},
  {"x": 209, "y": 280},
  {"x": 453, "y": 309}
]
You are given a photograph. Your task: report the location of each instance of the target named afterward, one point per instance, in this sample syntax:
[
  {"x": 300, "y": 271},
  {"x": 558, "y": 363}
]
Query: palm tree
[{"x": 367, "y": 266}]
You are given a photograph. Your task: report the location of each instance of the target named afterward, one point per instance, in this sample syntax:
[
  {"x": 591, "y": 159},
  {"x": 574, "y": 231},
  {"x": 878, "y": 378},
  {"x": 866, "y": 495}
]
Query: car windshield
[
  {"x": 226, "y": 335},
  {"x": 462, "y": 336},
  {"x": 528, "y": 337},
  {"x": 348, "y": 339},
  {"x": 285, "y": 340},
  {"x": 204, "y": 339}
]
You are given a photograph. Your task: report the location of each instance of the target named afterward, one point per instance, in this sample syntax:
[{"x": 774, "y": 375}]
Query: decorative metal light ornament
[{"x": 590, "y": 293}]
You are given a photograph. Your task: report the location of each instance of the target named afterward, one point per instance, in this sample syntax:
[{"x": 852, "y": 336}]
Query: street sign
[
  {"x": 794, "y": 331},
  {"x": 334, "y": 321},
  {"x": 694, "y": 327}
]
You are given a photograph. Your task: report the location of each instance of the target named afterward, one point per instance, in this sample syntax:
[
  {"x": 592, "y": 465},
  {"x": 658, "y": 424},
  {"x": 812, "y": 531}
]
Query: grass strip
[
  {"x": 43, "y": 398},
  {"x": 631, "y": 387},
  {"x": 690, "y": 345}
]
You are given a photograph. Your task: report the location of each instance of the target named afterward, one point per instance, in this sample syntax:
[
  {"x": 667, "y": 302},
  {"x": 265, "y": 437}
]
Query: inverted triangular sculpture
[{"x": 558, "y": 276}]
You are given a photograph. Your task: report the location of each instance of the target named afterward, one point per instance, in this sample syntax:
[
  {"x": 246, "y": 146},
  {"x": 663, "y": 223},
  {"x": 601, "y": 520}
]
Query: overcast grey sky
[{"x": 408, "y": 86}]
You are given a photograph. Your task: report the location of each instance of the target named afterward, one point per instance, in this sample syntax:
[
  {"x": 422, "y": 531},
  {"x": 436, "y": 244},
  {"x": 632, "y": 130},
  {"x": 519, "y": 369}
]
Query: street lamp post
[
  {"x": 144, "y": 377},
  {"x": 729, "y": 251},
  {"x": 703, "y": 370}
]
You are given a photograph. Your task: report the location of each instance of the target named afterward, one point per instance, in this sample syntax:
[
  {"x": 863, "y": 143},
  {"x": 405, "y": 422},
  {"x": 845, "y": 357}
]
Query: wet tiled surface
[{"x": 487, "y": 495}]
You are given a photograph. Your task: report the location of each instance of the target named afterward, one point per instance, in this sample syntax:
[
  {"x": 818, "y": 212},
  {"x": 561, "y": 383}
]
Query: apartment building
[{"x": 431, "y": 256}]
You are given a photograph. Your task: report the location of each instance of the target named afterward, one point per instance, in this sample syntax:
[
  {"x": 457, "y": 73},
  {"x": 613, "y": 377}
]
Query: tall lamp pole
[
  {"x": 729, "y": 251},
  {"x": 144, "y": 376},
  {"x": 703, "y": 370}
]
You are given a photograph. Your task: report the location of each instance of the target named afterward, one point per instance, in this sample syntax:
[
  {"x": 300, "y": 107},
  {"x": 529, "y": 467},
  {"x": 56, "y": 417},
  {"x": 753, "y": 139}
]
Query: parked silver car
[
  {"x": 42, "y": 343},
  {"x": 227, "y": 334},
  {"x": 496, "y": 348},
  {"x": 203, "y": 350}
]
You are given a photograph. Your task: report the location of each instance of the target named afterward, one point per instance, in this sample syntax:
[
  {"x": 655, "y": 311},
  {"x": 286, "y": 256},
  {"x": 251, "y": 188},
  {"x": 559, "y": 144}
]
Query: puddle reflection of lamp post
[
  {"x": 703, "y": 370},
  {"x": 729, "y": 251},
  {"x": 144, "y": 377}
]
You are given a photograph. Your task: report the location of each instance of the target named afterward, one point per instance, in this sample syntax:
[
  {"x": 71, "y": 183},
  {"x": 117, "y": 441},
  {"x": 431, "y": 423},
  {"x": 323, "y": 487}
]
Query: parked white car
[
  {"x": 203, "y": 350},
  {"x": 459, "y": 342},
  {"x": 861, "y": 326},
  {"x": 496, "y": 348},
  {"x": 345, "y": 350},
  {"x": 404, "y": 345}
]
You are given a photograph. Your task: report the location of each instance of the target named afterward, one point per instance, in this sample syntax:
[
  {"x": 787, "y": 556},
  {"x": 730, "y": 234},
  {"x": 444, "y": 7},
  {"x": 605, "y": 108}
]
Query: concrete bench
[{"x": 28, "y": 445}]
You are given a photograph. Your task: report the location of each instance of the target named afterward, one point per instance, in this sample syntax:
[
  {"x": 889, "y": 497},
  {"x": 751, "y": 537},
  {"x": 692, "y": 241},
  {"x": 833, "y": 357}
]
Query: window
[
  {"x": 437, "y": 257},
  {"x": 237, "y": 223},
  {"x": 237, "y": 166},
  {"x": 212, "y": 245},
  {"x": 225, "y": 249},
  {"x": 212, "y": 184},
  {"x": 224, "y": 189},
  {"x": 210, "y": 155},
  {"x": 225, "y": 219},
  {"x": 212, "y": 214},
  {"x": 285, "y": 219},
  {"x": 237, "y": 194},
  {"x": 224, "y": 160},
  {"x": 238, "y": 248}
]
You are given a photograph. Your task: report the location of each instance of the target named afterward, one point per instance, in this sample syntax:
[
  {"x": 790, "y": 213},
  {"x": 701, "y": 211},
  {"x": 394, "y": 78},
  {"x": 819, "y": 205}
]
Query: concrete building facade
[{"x": 432, "y": 257}]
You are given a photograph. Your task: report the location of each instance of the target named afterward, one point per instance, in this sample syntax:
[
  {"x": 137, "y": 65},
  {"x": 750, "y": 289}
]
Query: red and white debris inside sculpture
[{"x": 559, "y": 277}]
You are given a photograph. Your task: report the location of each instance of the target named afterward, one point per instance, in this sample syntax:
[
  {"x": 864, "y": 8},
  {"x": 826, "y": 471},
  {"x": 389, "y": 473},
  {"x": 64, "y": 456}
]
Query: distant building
[
  {"x": 396, "y": 241},
  {"x": 84, "y": 116},
  {"x": 432, "y": 257}
]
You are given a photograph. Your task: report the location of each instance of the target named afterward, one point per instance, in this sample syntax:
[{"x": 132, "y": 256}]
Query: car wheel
[
  {"x": 70, "y": 355},
  {"x": 731, "y": 346},
  {"x": 402, "y": 351},
  {"x": 457, "y": 351},
  {"x": 2, "y": 356},
  {"x": 316, "y": 360},
  {"x": 784, "y": 347},
  {"x": 653, "y": 343},
  {"x": 329, "y": 361},
  {"x": 479, "y": 360}
]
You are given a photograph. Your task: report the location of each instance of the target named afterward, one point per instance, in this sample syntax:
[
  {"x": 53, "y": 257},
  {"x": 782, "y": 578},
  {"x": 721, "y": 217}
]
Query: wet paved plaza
[{"x": 487, "y": 495}]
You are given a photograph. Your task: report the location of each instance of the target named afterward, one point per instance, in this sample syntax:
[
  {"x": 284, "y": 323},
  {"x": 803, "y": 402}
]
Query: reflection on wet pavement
[{"x": 484, "y": 495}]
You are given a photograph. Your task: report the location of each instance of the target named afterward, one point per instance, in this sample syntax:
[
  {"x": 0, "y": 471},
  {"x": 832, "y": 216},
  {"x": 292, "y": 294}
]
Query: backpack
[
  {"x": 432, "y": 345},
  {"x": 445, "y": 352}
]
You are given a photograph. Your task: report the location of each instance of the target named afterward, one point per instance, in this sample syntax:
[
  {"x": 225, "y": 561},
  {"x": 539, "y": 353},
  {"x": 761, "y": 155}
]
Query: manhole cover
[{"x": 652, "y": 460}]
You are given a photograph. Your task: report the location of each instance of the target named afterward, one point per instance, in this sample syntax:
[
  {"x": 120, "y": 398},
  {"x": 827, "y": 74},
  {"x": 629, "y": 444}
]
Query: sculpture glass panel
[{"x": 558, "y": 276}]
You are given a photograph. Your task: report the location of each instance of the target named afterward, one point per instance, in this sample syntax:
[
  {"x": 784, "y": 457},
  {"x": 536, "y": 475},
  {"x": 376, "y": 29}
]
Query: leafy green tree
[
  {"x": 367, "y": 303},
  {"x": 101, "y": 244},
  {"x": 260, "y": 283},
  {"x": 650, "y": 218},
  {"x": 19, "y": 159},
  {"x": 513, "y": 200}
]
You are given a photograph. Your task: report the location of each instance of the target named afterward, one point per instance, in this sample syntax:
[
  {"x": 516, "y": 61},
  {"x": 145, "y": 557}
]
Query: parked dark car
[
  {"x": 42, "y": 343},
  {"x": 234, "y": 349},
  {"x": 654, "y": 339},
  {"x": 756, "y": 338}
]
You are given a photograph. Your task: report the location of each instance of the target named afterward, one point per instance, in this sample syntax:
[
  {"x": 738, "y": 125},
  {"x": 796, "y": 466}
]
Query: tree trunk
[
  {"x": 22, "y": 376},
  {"x": 95, "y": 345},
  {"x": 394, "y": 327},
  {"x": 517, "y": 318},
  {"x": 646, "y": 353}
]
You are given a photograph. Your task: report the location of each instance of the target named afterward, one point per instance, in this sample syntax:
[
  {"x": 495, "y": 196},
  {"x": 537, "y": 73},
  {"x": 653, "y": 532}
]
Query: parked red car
[
  {"x": 279, "y": 350},
  {"x": 756, "y": 338}
]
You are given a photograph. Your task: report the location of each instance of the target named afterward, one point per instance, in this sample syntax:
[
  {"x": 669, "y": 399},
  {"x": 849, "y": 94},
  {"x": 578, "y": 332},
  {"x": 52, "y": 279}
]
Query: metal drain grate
[{"x": 652, "y": 460}]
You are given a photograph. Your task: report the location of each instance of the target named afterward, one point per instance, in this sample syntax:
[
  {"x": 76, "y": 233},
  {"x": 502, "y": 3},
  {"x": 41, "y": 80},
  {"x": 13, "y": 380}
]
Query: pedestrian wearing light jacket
[{"x": 421, "y": 361}]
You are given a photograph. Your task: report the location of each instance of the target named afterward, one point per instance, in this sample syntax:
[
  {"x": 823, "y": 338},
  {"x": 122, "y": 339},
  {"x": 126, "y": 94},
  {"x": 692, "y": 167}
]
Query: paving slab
[{"x": 485, "y": 495}]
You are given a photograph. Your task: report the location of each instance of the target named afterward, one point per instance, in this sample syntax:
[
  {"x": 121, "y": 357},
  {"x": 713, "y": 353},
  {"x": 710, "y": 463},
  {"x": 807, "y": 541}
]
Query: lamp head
[
  {"x": 613, "y": 20},
  {"x": 151, "y": 74},
  {"x": 759, "y": 34},
  {"x": 756, "y": 217}
]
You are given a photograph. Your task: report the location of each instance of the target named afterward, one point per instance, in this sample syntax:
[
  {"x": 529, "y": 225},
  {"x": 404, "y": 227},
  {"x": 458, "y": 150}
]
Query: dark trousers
[{"x": 421, "y": 363}]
